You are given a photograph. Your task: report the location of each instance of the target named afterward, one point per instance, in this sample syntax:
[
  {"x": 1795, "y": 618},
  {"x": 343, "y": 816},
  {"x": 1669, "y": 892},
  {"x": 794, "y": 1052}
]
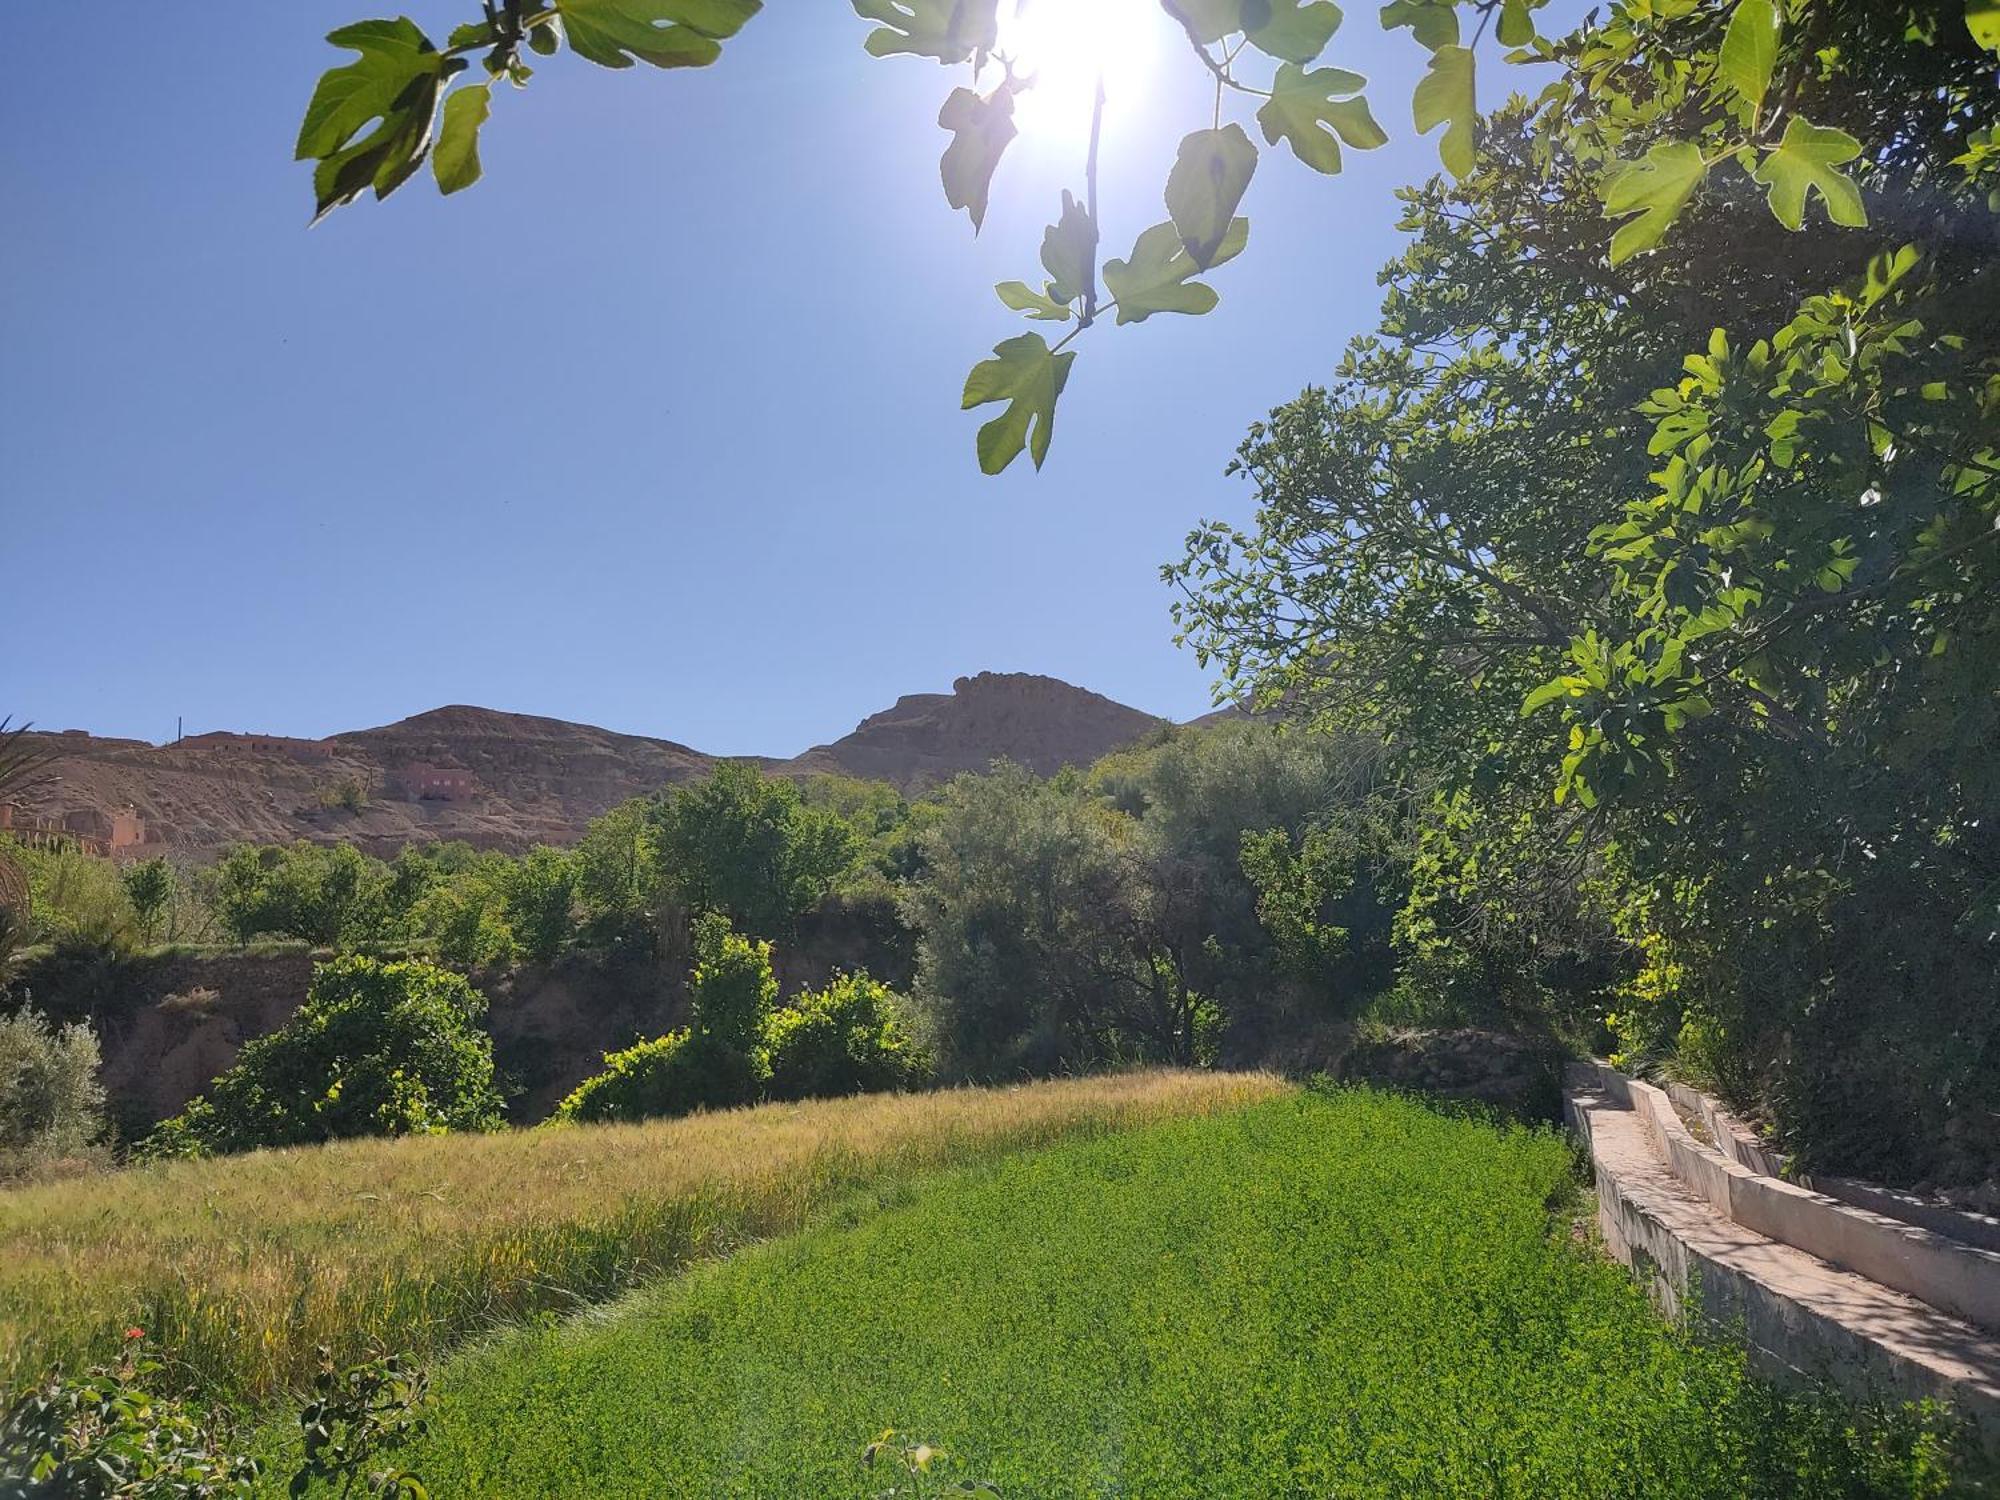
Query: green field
[
  {"x": 1328, "y": 1295},
  {"x": 238, "y": 1268}
]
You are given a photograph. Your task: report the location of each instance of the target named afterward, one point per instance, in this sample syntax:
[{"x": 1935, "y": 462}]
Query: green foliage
[
  {"x": 111, "y": 1436},
  {"x": 359, "y": 1416},
  {"x": 732, "y": 990},
  {"x": 1315, "y": 111},
  {"x": 1158, "y": 276},
  {"x": 1694, "y": 711},
  {"x": 1295, "y": 888},
  {"x": 149, "y": 886},
  {"x": 1447, "y": 95},
  {"x": 456, "y": 161},
  {"x": 981, "y": 127},
  {"x": 466, "y": 918},
  {"x": 1029, "y": 376},
  {"x": 1078, "y": 922},
  {"x": 1656, "y": 97},
  {"x": 849, "y": 1038},
  {"x": 377, "y": 1049},
  {"x": 1069, "y": 251},
  {"x": 326, "y": 894},
  {"x": 951, "y": 31},
  {"x": 1017, "y": 914},
  {"x": 745, "y": 845},
  {"x": 51, "y": 1105},
  {"x": 540, "y": 895},
  {"x": 1807, "y": 160},
  {"x": 665, "y": 33},
  {"x": 1342, "y": 1294},
  {"x": 77, "y": 899},
  {"x": 718, "y": 1062},
  {"x": 1211, "y": 174},
  {"x": 675, "y": 1074},
  {"x": 394, "y": 84},
  {"x": 1650, "y": 194},
  {"x": 1297, "y": 31},
  {"x": 1749, "y": 52},
  {"x": 349, "y": 794},
  {"x": 617, "y": 879}
]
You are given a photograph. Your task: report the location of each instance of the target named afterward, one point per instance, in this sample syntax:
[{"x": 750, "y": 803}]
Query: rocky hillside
[
  {"x": 502, "y": 780},
  {"x": 1042, "y": 723}
]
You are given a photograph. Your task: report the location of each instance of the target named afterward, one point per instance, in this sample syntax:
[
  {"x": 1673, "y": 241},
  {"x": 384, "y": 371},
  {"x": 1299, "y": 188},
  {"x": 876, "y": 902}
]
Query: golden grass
[{"x": 238, "y": 1268}]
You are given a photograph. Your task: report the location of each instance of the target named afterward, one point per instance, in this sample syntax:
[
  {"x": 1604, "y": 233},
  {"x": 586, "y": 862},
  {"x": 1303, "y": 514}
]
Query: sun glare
[{"x": 1066, "y": 46}]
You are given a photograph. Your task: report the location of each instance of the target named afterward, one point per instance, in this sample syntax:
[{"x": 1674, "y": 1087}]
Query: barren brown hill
[
  {"x": 504, "y": 780},
  {"x": 1042, "y": 723},
  {"x": 496, "y": 780}
]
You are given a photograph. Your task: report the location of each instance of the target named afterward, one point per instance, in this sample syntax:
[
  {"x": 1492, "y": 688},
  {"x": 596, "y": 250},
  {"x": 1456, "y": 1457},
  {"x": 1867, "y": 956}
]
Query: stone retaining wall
[
  {"x": 1711, "y": 1237},
  {"x": 1954, "y": 1277}
]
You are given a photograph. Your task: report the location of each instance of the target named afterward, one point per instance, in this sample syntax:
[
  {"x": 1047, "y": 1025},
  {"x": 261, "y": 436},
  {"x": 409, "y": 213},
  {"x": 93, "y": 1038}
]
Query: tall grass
[{"x": 238, "y": 1268}]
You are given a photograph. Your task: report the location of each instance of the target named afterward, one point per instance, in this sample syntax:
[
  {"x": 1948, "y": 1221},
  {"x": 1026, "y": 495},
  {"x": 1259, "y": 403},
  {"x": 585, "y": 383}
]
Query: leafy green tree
[
  {"x": 329, "y": 895},
  {"x": 618, "y": 881},
  {"x": 848, "y": 1038},
  {"x": 540, "y": 901},
  {"x": 77, "y": 900},
  {"x": 746, "y": 845},
  {"x": 150, "y": 887},
  {"x": 377, "y": 1049},
  {"x": 1023, "y": 912},
  {"x": 413, "y": 872},
  {"x": 1707, "y": 686},
  {"x": 465, "y": 916}
]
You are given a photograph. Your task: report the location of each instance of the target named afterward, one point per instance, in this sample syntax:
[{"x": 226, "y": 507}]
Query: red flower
[{"x": 135, "y": 1333}]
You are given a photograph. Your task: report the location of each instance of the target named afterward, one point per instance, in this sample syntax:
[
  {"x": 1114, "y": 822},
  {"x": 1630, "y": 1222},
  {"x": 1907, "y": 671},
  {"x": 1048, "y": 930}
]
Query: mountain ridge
[{"x": 499, "y": 779}]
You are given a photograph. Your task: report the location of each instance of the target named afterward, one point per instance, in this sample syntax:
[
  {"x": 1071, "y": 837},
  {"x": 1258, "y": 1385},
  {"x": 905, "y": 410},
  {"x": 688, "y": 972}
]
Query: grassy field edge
[
  {"x": 1346, "y": 1292},
  {"x": 240, "y": 1268}
]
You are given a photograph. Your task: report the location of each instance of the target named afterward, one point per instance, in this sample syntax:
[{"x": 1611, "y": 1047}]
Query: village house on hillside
[{"x": 86, "y": 828}]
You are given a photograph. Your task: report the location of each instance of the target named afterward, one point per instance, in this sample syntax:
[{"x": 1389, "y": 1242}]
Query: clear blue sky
[{"x": 655, "y": 428}]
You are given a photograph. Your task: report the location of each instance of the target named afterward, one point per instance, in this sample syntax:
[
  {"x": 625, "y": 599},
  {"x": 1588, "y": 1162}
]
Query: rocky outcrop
[{"x": 1041, "y": 723}]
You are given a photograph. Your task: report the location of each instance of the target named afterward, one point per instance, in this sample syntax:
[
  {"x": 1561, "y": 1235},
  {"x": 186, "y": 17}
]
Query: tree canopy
[
  {"x": 1672, "y": 575},
  {"x": 1665, "y": 101}
]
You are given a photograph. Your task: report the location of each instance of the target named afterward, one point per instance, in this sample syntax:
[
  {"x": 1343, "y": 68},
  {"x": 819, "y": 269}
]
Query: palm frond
[{"x": 21, "y": 763}]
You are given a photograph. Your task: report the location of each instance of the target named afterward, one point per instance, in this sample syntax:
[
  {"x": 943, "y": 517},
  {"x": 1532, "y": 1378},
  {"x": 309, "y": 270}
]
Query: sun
[{"x": 1066, "y": 47}]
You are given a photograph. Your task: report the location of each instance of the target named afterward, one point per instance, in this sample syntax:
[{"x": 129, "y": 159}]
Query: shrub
[
  {"x": 732, "y": 989},
  {"x": 377, "y": 1049},
  {"x": 77, "y": 899},
  {"x": 716, "y": 1063},
  {"x": 675, "y": 1074},
  {"x": 107, "y": 1435},
  {"x": 50, "y": 1101},
  {"x": 849, "y": 1038}
]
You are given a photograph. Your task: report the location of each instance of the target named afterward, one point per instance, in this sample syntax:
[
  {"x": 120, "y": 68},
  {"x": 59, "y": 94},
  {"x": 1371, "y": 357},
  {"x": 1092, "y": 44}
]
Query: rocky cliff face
[
  {"x": 503, "y": 780},
  {"x": 1042, "y": 723}
]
